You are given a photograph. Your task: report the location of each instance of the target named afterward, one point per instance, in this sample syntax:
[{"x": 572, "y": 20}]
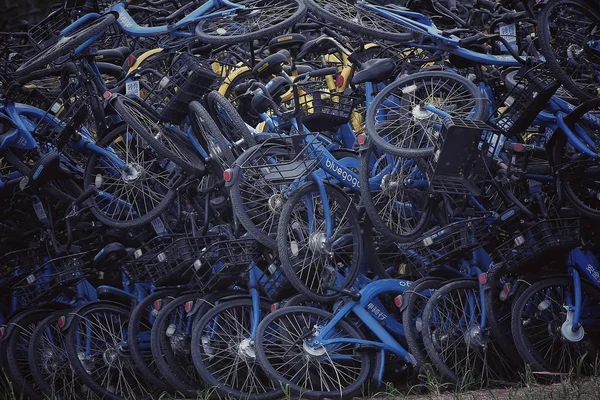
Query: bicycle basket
[
  {"x": 188, "y": 78},
  {"x": 554, "y": 235},
  {"x": 46, "y": 32},
  {"x": 456, "y": 167},
  {"x": 441, "y": 245},
  {"x": 51, "y": 278},
  {"x": 223, "y": 262},
  {"x": 322, "y": 107},
  {"x": 525, "y": 100},
  {"x": 17, "y": 263},
  {"x": 165, "y": 260},
  {"x": 15, "y": 49}
]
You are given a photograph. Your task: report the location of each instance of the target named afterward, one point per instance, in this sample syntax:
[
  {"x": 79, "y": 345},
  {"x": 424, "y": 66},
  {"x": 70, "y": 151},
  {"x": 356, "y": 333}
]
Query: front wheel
[
  {"x": 136, "y": 194},
  {"x": 224, "y": 355},
  {"x": 250, "y": 20},
  {"x": 285, "y": 350},
  {"x": 546, "y": 339},
  {"x": 319, "y": 241}
]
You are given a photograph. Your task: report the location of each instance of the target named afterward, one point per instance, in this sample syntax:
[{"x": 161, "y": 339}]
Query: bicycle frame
[
  {"x": 420, "y": 23},
  {"x": 360, "y": 309}
]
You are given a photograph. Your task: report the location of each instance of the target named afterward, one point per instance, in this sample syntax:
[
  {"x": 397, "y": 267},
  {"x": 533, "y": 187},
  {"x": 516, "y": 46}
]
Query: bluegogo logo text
[{"x": 344, "y": 176}]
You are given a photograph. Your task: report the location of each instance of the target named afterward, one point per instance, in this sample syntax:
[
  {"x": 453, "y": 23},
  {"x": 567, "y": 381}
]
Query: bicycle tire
[
  {"x": 548, "y": 49},
  {"x": 143, "y": 362},
  {"x": 229, "y": 121},
  {"x": 146, "y": 124},
  {"x": 265, "y": 337},
  {"x": 414, "y": 299},
  {"x": 19, "y": 370},
  {"x": 259, "y": 216},
  {"x": 203, "y": 359},
  {"x": 66, "y": 44},
  {"x": 486, "y": 365},
  {"x": 106, "y": 388},
  {"x": 204, "y": 127},
  {"x": 121, "y": 134},
  {"x": 267, "y": 28},
  {"x": 399, "y": 35},
  {"x": 588, "y": 344},
  {"x": 50, "y": 368},
  {"x": 322, "y": 268},
  {"x": 448, "y": 91},
  {"x": 498, "y": 312},
  {"x": 397, "y": 224}
]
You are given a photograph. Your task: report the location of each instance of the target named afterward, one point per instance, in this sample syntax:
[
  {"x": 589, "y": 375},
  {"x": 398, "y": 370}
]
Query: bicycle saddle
[
  {"x": 291, "y": 41},
  {"x": 276, "y": 87},
  {"x": 109, "y": 256},
  {"x": 272, "y": 64},
  {"x": 319, "y": 46},
  {"x": 376, "y": 70},
  {"x": 48, "y": 168}
]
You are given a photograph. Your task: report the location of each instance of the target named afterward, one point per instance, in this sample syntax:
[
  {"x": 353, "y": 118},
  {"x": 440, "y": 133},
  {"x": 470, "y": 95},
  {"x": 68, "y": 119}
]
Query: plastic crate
[
  {"x": 456, "y": 166},
  {"x": 187, "y": 79},
  {"x": 166, "y": 260},
  {"x": 525, "y": 101},
  {"x": 224, "y": 262},
  {"x": 551, "y": 235},
  {"x": 438, "y": 246},
  {"x": 51, "y": 278},
  {"x": 272, "y": 282}
]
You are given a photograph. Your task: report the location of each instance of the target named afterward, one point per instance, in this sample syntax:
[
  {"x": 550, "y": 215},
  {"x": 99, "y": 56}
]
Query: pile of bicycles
[{"x": 264, "y": 198}]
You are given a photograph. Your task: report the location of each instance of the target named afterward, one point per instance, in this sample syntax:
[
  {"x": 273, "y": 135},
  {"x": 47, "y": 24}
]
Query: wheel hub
[
  {"x": 110, "y": 357},
  {"x": 313, "y": 351},
  {"x": 389, "y": 185},
  {"x": 569, "y": 332},
  {"x": 317, "y": 243},
  {"x": 475, "y": 338},
  {"x": 420, "y": 113},
  {"x": 246, "y": 350},
  {"x": 180, "y": 343},
  {"x": 131, "y": 172},
  {"x": 276, "y": 202}
]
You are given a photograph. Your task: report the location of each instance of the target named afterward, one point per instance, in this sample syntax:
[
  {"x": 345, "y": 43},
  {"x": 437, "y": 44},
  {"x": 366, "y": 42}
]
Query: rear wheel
[{"x": 135, "y": 195}]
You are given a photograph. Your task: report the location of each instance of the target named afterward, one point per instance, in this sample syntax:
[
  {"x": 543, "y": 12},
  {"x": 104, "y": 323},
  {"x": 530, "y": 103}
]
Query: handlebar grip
[{"x": 323, "y": 72}]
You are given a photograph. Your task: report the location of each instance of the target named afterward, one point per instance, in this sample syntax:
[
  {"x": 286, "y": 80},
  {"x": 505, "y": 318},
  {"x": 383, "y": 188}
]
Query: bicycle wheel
[
  {"x": 415, "y": 300},
  {"x": 382, "y": 256},
  {"x": 258, "y": 191},
  {"x": 171, "y": 341},
  {"x": 96, "y": 343},
  {"x": 460, "y": 348},
  {"x": 398, "y": 123},
  {"x": 312, "y": 371},
  {"x": 568, "y": 31},
  {"x": 67, "y": 43},
  {"x": 133, "y": 196},
  {"x": 166, "y": 143},
  {"x": 255, "y": 19},
  {"x": 357, "y": 18},
  {"x": 212, "y": 140},
  {"x": 50, "y": 367},
  {"x": 16, "y": 348},
  {"x": 579, "y": 174},
  {"x": 141, "y": 320},
  {"x": 397, "y": 211},
  {"x": 229, "y": 122},
  {"x": 542, "y": 332},
  {"x": 504, "y": 287},
  {"x": 312, "y": 258},
  {"x": 223, "y": 351}
]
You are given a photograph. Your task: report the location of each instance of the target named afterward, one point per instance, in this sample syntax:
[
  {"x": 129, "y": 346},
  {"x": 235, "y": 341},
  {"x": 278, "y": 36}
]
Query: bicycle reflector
[
  {"x": 361, "y": 139},
  {"x": 398, "y": 301},
  {"x": 158, "y": 304},
  {"x": 188, "y": 306},
  {"x": 227, "y": 175},
  {"x": 483, "y": 278},
  {"x": 61, "y": 322},
  {"x": 274, "y": 307}
]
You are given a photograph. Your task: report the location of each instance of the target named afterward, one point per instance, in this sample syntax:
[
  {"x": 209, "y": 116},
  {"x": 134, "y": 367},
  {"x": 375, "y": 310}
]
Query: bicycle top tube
[
  {"x": 450, "y": 43},
  {"x": 130, "y": 27}
]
